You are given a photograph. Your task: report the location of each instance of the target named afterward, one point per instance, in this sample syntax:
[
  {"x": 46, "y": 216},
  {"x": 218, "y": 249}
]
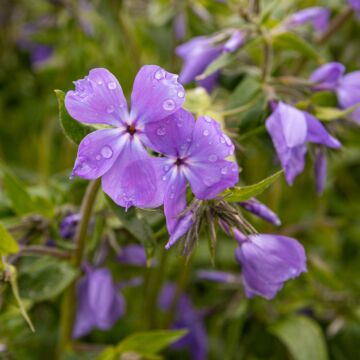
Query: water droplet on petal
[
  {"x": 99, "y": 82},
  {"x": 180, "y": 94},
  {"x": 224, "y": 170},
  {"x": 212, "y": 158},
  {"x": 106, "y": 152},
  {"x": 161, "y": 131},
  {"x": 188, "y": 139},
  {"x": 206, "y": 132},
  {"x": 179, "y": 124},
  {"x": 227, "y": 140},
  {"x": 111, "y": 85},
  {"x": 166, "y": 167},
  {"x": 110, "y": 109},
  {"x": 164, "y": 178},
  {"x": 98, "y": 157},
  {"x": 222, "y": 140},
  {"x": 169, "y": 105},
  {"x": 208, "y": 119},
  {"x": 172, "y": 195},
  {"x": 160, "y": 74}
]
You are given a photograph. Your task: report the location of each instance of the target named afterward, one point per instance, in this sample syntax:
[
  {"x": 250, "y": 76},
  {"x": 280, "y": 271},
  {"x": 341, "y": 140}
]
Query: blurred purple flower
[
  {"x": 355, "y": 4},
  {"x": 200, "y": 51},
  {"x": 348, "y": 93},
  {"x": 320, "y": 169},
  {"x": 99, "y": 303},
  {"x": 186, "y": 317},
  {"x": 132, "y": 255},
  {"x": 180, "y": 25},
  {"x": 327, "y": 76},
  {"x": 117, "y": 154},
  {"x": 68, "y": 226},
  {"x": 261, "y": 210},
  {"x": 217, "y": 276},
  {"x": 317, "y": 16},
  {"x": 290, "y": 130},
  {"x": 268, "y": 261},
  {"x": 195, "y": 152}
]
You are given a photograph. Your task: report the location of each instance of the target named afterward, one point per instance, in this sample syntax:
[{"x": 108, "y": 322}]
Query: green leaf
[
  {"x": 291, "y": 41},
  {"x": 137, "y": 226},
  {"x": 197, "y": 100},
  {"x": 302, "y": 336},
  {"x": 147, "y": 343},
  {"x": 8, "y": 244},
  {"x": 330, "y": 113},
  {"x": 246, "y": 192},
  {"x": 45, "y": 278},
  {"x": 73, "y": 129},
  {"x": 219, "y": 63}
]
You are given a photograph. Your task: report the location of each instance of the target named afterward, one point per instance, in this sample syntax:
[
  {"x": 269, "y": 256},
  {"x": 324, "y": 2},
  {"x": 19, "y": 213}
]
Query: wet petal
[
  {"x": 318, "y": 134},
  {"x": 174, "y": 204},
  {"x": 208, "y": 179},
  {"x": 98, "y": 98},
  {"x": 98, "y": 152},
  {"x": 172, "y": 135},
  {"x": 156, "y": 95},
  {"x": 134, "y": 179}
]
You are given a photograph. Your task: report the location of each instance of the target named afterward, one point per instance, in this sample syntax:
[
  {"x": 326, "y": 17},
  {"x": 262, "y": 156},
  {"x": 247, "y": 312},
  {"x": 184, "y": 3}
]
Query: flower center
[
  {"x": 131, "y": 129},
  {"x": 179, "y": 162}
]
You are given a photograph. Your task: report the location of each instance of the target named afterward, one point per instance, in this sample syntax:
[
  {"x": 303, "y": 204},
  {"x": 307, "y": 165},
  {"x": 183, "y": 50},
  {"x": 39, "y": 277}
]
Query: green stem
[{"x": 69, "y": 299}]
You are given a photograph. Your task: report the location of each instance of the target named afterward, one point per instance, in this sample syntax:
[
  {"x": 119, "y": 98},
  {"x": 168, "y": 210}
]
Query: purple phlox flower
[
  {"x": 268, "y": 261},
  {"x": 195, "y": 152},
  {"x": 99, "y": 303},
  {"x": 200, "y": 51},
  {"x": 261, "y": 210},
  {"x": 218, "y": 276},
  {"x": 186, "y": 317},
  {"x": 132, "y": 255},
  {"x": 117, "y": 154},
  {"x": 68, "y": 226},
  {"x": 317, "y": 16},
  {"x": 291, "y": 129},
  {"x": 355, "y": 4},
  {"x": 348, "y": 93},
  {"x": 327, "y": 76}
]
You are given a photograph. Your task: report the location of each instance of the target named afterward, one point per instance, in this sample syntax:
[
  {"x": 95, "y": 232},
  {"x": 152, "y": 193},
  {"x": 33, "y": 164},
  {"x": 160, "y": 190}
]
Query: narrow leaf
[
  {"x": 73, "y": 129},
  {"x": 330, "y": 113},
  {"x": 246, "y": 192},
  {"x": 219, "y": 63},
  {"x": 303, "y": 338},
  {"x": 8, "y": 244}
]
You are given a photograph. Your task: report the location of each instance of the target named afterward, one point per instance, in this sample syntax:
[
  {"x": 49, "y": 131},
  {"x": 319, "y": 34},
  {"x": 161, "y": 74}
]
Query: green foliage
[{"x": 8, "y": 244}]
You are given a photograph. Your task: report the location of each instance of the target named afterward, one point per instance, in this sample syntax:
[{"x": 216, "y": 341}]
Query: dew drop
[
  {"x": 111, "y": 85},
  {"x": 169, "y": 105},
  {"x": 180, "y": 94},
  {"x": 224, "y": 170},
  {"x": 180, "y": 124},
  {"x": 208, "y": 119},
  {"x": 206, "y": 132},
  {"x": 164, "y": 178},
  {"x": 106, "y": 152},
  {"x": 161, "y": 131},
  {"x": 188, "y": 139},
  {"x": 98, "y": 157},
  {"x": 166, "y": 167},
  {"x": 227, "y": 140},
  {"x": 110, "y": 109},
  {"x": 160, "y": 74},
  {"x": 99, "y": 82},
  {"x": 222, "y": 140},
  {"x": 212, "y": 158},
  {"x": 172, "y": 195}
]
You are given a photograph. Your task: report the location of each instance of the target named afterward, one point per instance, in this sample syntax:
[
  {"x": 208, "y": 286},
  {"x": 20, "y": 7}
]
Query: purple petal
[
  {"x": 132, "y": 255},
  {"x": 98, "y": 152},
  {"x": 287, "y": 127},
  {"x": 156, "y": 95},
  {"x": 98, "y": 98},
  {"x": 209, "y": 82},
  {"x": 348, "y": 93},
  {"x": 355, "y": 4},
  {"x": 68, "y": 226},
  {"x": 172, "y": 135},
  {"x": 261, "y": 210},
  {"x": 134, "y": 179},
  {"x": 268, "y": 261},
  {"x": 317, "y": 16},
  {"x": 197, "y": 54},
  {"x": 327, "y": 76},
  {"x": 84, "y": 316},
  {"x": 236, "y": 40},
  {"x": 318, "y": 134},
  {"x": 320, "y": 170},
  {"x": 174, "y": 204}
]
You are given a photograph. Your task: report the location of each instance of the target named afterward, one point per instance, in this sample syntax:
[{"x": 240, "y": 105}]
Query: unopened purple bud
[
  {"x": 320, "y": 169},
  {"x": 317, "y": 16},
  {"x": 132, "y": 255},
  {"x": 217, "y": 276},
  {"x": 236, "y": 40},
  {"x": 68, "y": 226},
  {"x": 327, "y": 76},
  {"x": 261, "y": 210}
]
